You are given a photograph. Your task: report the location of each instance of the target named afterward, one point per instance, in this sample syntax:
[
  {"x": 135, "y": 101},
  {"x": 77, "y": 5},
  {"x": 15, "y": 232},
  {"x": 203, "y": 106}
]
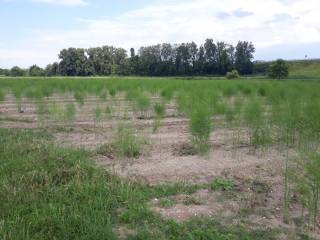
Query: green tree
[
  {"x": 244, "y": 56},
  {"x": 52, "y": 69},
  {"x": 278, "y": 70},
  {"x": 17, "y": 72},
  {"x": 34, "y": 70},
  {"x": 73, "y": 62}
]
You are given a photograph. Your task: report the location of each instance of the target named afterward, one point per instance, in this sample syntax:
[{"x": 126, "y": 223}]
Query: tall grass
[
  {"x": 127, "y": 143},
  {"x": 160, "y": 111},
  {"x": 201, "y": 127}
]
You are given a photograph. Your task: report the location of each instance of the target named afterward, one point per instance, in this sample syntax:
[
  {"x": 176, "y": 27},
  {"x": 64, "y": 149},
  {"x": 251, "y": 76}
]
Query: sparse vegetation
[{"x": 277, "y": 116}]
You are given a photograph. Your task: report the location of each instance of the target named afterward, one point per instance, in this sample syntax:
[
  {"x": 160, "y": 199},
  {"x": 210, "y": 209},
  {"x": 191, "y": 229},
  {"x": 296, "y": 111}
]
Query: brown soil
[{"x": 168, "y": 159}]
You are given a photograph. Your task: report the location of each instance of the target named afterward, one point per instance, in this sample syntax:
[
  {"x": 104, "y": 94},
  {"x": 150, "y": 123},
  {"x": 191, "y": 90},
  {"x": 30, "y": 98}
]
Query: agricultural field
[{"x": 159, "y": 158}]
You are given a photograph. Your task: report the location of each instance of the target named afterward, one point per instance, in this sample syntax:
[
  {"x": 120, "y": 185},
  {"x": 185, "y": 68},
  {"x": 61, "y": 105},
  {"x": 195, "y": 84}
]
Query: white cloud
[
  {"x": 64, "y": 2},
  {"x": 266, "y": 23}
]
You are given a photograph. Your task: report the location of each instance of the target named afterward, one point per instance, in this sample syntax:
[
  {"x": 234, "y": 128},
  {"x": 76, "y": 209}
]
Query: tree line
[{"x": 210, "y": 58}]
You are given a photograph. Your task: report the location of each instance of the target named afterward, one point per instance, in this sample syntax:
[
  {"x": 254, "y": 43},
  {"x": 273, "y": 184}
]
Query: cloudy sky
[{"x": 34, "y": 31}]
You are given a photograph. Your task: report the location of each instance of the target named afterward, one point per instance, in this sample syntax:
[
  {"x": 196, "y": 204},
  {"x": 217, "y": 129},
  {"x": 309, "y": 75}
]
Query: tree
[
  {"x": 165, "y": 59},
  {"x": 73, "y": 62},
  {"x": 210, "y": 56},
  {"x": 4, "y": 72},
  {"x": 17, "y": 72},
  {"x": 278, "y": 70},
  {"x": 36, "y": 71},
  {"x": 244, "y": 56},
  {"x": 52, "y": 69}
]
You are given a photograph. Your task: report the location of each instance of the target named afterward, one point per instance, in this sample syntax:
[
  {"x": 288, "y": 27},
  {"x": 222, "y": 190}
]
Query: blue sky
[{"x": 34, "y": 31}]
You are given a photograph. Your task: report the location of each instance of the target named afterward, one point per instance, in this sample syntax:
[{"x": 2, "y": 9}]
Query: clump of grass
[
  {"x": 70, "y": 112},
  {"x": 112, "y": 92},
  {"x": 79, "y": 97},
  {"x": 97, "y": 114},
  {"x": 143, "y": 104},
  {"x": 306, "y": 179},
  {"x": 160, "y": 110},
  {"x": 127, "y": 143},
  {"x": 167, "y": 94},
  {"x": 103, "y": 95},
  {"x": 259, "y": 133},
  {"x": 201, "y": 126},
  {"x": 222, "y": 184},
  {"x": 166, "y": 203}
]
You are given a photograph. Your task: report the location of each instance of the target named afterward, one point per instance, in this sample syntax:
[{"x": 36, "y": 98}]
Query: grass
[
  {"x": 201, "y": 126},
  {"x": 48, "y": 192},
  {"x": 309, "y": 69}
]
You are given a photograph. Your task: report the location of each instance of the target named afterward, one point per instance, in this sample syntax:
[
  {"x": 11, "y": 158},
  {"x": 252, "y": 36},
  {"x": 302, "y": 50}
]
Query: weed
[
  {"x": 127, "y": 143},
  {"x": 222, "y": 184}
]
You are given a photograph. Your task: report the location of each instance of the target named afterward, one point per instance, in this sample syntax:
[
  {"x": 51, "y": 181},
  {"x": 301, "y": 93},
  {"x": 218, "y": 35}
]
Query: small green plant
[
  {"x": 69, "y": 113},
  {"x": 97, "y": 114},
  {"x": 200, "y": 126},
  {"x": 159, "y": 109},
  {"x": 127, "y": 143},
  {"x": 167, "y": 94},
  {"x": 233, "y": 75},
  {"x": 79, "y": 97},
  {"x": 166, "y": 203},
  {"x": 222, "y": 184},
  {"x": 112, "y": 92},
  {"x": 142, "y": 104},
  {"x": 103, "y": 95}
]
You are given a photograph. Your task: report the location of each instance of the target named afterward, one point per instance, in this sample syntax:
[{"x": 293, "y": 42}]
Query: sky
[{"x": 34, "y": 31}]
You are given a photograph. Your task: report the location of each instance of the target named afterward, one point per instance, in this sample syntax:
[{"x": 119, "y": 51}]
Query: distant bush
[
  {"x": 278, "y": 70},
  {"x": 36, "y": 71},
  {"x": 233, "y": 74},
  {"x": 17, "y": 72},
  {"x": 260, "y": 67}
]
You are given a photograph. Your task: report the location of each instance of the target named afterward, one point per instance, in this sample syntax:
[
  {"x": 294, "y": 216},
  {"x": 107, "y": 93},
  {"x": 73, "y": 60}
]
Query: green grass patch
[{"x": 49, "y": 192}]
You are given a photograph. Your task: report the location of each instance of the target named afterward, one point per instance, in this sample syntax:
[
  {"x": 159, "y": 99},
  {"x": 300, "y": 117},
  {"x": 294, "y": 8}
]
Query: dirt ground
[{"x": 258, "y": 191}]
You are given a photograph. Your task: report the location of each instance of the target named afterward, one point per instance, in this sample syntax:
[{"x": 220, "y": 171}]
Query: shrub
[
  {"x": 278, "y": 70},
  {"x": 17, "y": 72},
  {"x": 233, "y": 74}
]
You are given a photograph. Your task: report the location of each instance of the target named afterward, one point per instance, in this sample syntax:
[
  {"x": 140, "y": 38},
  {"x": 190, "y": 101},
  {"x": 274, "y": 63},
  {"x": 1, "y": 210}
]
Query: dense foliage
[
  {"x": 278, "y": 70},
  {"x": 164, "y": 59}
]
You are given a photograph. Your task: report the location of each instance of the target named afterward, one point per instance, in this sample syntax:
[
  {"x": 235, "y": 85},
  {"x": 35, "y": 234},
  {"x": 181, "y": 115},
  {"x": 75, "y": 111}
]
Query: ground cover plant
[{"x": 60, "y": 194}]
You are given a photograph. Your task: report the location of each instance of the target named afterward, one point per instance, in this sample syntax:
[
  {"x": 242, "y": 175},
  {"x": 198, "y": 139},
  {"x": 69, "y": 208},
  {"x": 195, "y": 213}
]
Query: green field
[
  {"x": 253, "y": 144},
  {"x": 305, "y": 69}
]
